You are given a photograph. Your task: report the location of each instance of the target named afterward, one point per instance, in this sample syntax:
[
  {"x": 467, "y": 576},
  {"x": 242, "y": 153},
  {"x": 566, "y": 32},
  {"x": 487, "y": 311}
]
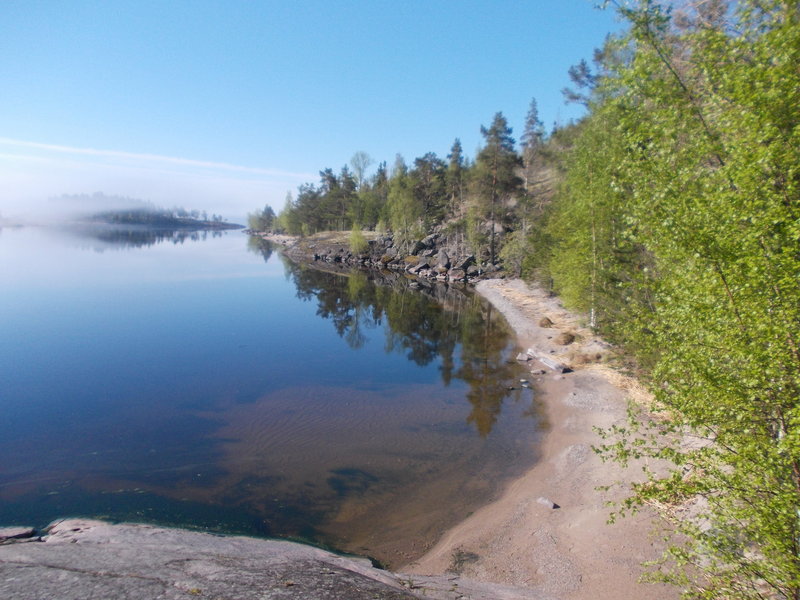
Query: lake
[{"x": 202, "y": 380}]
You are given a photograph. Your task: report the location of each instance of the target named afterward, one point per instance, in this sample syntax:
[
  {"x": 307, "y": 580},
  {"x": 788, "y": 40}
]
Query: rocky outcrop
[
  {"x": 76, "y": 559},
  {"x": 13, "y": 534},
  {"x": 434, "y": 257}
]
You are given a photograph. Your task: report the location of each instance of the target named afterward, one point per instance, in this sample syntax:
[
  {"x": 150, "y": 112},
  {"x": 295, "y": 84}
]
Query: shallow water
[{"x": 208, "y": 383}]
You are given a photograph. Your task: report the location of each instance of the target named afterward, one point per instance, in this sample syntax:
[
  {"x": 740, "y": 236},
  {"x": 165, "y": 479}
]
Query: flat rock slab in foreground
[{"x": 81, "y": 559}]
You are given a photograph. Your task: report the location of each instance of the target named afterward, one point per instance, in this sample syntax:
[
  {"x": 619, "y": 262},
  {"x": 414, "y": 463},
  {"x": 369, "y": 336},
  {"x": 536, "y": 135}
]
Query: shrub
[{"x": 358, "y": 243}]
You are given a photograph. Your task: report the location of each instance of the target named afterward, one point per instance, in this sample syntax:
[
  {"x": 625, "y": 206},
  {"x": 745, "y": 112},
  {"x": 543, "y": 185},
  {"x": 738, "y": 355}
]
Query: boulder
[
  {"x": 418, "y": 247},
  {"x": 464, "y": 262},
  {"x": 548, "y": 362},
  {"x": 456, "y": 274},
  {"x": 442, "y": 259},
  {"x": 430, "y": 240},
  {"x": 565, "y": 338}
]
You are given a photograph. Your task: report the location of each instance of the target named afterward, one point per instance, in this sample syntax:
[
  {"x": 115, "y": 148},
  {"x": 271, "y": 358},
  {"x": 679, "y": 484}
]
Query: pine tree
[
  {"x": 531, "y": 141},
  {"x": 496, "y": 179}
]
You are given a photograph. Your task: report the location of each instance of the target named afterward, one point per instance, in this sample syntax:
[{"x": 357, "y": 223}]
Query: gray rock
[
  {"x": 464, "y": 262},
  {"x": 85, "y": 559},
  {"x": 547, "y": 502},
  {"x": 430, "y": 240},
  {"x": 82, "y": 559},
  {"x": 548, "y": 362},
  {"x": 418, "y": 247},
  {"x": 16, "y": 533},
  {"x": 422, "y": 264},
  {"x": 443, "y": 260},
  {"x": 456, "y": 274}
]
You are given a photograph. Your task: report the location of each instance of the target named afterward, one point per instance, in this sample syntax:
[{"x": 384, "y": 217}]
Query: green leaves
[{"x": 678, "y": 226}]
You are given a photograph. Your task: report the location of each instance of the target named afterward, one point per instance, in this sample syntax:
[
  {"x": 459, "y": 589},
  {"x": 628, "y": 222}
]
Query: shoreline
[
  {"x": 519, "y": 539},
  {"x": 569, "y": 552},
  {"x": 519, "y": 546}
]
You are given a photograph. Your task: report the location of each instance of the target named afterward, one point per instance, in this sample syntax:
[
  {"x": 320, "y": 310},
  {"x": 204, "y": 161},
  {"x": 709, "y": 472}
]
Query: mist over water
[{"x": 201, "y": 381}]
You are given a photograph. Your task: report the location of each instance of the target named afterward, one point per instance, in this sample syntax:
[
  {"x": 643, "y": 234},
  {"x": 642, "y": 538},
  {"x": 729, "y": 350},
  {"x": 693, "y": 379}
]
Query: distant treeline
[
  {"x": 177, "y": 218},
  {"x": 121, "y": 210},
  {"x": 670, "y": 214}
]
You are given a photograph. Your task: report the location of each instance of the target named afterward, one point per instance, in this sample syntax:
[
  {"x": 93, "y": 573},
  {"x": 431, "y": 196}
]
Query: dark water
[{"x": 206, "y": 382}]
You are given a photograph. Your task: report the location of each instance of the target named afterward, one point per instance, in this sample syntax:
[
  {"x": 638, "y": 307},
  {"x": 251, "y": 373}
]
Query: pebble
[{"x": 547, "y": 502}]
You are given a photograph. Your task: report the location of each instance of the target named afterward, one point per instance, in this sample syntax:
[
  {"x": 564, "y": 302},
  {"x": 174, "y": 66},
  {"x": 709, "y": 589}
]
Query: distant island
[
  {"x": 174, "y": 219},
  {"x": 104, "y": 209}
]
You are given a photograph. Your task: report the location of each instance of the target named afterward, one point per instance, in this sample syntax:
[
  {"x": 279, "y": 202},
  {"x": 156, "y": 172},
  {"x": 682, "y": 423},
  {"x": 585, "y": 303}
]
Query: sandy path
[{"x": 568, "y": 553}]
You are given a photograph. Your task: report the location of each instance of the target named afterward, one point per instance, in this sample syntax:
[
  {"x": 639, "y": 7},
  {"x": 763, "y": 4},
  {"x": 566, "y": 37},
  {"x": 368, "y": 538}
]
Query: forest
[{"x": 670, "y": 216}]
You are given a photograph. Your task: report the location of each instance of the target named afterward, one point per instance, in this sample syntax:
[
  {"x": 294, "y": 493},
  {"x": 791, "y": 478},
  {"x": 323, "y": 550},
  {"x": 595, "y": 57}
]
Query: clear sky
[{"x": 227, "y": 105}]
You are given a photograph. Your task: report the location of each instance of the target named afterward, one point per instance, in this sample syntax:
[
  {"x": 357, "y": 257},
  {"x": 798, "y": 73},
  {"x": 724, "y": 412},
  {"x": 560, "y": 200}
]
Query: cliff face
[{"x": 76, "y": 559}]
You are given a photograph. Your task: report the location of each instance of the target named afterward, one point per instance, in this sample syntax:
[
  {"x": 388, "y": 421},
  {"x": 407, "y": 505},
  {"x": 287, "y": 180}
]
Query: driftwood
[{"x": 548, "y": 362}]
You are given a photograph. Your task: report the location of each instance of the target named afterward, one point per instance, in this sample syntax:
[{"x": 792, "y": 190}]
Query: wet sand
[{"x": 569, "y": 552}]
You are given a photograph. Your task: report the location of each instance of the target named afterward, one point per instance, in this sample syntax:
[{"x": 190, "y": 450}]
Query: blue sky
[{"x": 227, "y": 105}]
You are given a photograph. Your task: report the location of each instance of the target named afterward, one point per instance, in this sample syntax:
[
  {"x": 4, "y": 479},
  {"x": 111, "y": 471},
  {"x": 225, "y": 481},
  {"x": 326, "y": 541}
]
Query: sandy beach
[{"x": 569, "y": 552}]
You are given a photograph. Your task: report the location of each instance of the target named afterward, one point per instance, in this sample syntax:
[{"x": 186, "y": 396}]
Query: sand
[{"x": 569, "y": 552}]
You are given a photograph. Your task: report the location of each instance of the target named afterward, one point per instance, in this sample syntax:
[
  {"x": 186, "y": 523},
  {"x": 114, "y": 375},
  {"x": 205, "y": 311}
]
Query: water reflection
[
  {"x": 130, "y": 236},
  {"x": 351, "y": 409},
  {"x": 433, "y": 323},
  {"x": 260, "y": 246}
]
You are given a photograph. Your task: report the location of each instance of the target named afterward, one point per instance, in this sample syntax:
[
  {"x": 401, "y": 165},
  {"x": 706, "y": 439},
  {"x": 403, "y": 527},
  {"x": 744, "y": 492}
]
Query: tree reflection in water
[
  {"x": 126, "y": 237},
  {"x": 427, "y": 322}
]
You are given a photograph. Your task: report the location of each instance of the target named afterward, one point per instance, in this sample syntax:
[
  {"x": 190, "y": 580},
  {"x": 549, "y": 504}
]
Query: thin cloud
[{"x": 173, "y": 160}]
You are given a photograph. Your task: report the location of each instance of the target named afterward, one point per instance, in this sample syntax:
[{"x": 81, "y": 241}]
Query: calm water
[{"x": 207, "y": 382}]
